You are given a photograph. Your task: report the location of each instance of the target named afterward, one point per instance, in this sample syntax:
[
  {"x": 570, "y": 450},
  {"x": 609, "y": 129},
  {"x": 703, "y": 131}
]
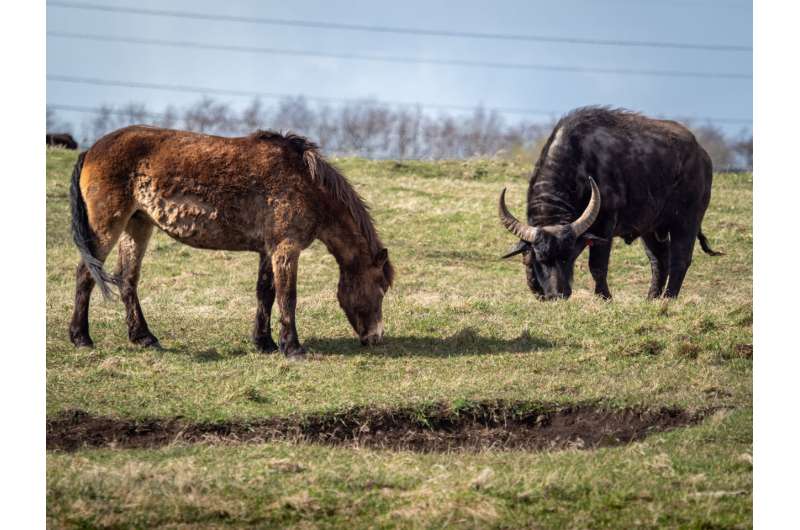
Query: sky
[{"x": 704, "y": 22}]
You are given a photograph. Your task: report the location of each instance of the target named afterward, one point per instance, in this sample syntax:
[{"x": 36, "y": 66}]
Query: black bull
[{"x": 653, "y": 180}]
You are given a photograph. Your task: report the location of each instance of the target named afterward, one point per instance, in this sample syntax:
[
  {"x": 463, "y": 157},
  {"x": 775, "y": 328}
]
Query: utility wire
[
  {"x": 397, "y": 30},
  {"x": 273, "y": 95},
  {"x": 400, "y": 59},
  {"x": 98, "y": 110}
]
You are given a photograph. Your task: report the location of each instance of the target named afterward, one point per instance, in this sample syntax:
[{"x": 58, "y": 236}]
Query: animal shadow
[{"x": 464, "y": 342}]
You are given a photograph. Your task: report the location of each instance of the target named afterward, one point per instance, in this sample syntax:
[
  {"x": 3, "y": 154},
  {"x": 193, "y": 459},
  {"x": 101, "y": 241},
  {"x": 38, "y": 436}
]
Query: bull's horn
[
  {"x": 521, "y": 230},
  {"x": 582, "y": 223},
  {"x": 519, "y": 248}
]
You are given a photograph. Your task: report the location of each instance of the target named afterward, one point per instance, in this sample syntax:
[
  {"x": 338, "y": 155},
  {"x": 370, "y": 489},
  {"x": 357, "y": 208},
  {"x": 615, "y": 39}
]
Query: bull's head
[{"x": 549, "y": 252}]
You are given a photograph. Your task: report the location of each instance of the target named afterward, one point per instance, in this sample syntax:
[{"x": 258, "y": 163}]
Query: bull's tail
[
  {"x": 83, "y": 236},
  {"x": 705, "y": 246}
]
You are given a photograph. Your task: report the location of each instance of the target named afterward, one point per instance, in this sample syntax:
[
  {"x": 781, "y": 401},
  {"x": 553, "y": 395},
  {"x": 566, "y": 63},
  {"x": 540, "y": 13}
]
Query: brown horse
[{"x": 267, "y": 193}]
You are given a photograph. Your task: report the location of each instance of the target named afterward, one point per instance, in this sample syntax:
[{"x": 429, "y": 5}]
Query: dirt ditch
[{"x": 437, "y": 428}]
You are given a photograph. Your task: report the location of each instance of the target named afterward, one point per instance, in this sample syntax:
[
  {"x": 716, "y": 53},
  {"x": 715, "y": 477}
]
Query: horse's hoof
[
  {"x": 149, "y": 342},
  {"x": 296, "y": 351},
  {"x": 83, "y": 342}
]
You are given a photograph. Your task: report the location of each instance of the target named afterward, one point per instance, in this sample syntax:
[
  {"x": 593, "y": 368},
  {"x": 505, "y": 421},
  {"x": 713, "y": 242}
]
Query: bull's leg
[
  {"x": 284, "y": 268},
  {"x": 132, "y": 246},
  {"x": 681, "y": 247},
  {"x": 658, "y": 253},
  {"x": 265, "y": 295},
  {"x": 599, "y": 255}
]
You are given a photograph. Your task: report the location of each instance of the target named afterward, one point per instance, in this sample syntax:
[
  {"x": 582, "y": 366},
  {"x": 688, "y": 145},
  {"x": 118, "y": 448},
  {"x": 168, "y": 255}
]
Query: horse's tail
[
  {"x": 83, "y": 236},
  {"x": 705, "y": 246}
]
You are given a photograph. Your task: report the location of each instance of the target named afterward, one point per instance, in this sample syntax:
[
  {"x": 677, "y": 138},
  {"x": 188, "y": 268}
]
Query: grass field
[{"x": 462, "y": 329}]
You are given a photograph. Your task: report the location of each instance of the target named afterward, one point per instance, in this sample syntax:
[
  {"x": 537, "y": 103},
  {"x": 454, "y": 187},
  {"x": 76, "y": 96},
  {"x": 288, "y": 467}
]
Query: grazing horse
[{"x": 267, "y": 193}]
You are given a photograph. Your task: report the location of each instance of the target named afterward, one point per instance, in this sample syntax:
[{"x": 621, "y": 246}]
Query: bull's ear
[
  {"x": 519, "y": 248},
  {"x": 381, "y": 257},
  {"x": 591, "y": 239}
]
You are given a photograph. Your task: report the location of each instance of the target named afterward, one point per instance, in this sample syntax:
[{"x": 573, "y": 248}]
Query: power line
[
  {"x": 399, "y": 59},
  {"x": 98, "y": 110},
  {"x": 398, "y": 30},
  {"x": 273, "y": 95}
]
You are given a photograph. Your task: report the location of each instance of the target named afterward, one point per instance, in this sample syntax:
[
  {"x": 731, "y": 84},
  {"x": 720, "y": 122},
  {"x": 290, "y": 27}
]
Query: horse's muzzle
[{"x": 374, "y": 337}]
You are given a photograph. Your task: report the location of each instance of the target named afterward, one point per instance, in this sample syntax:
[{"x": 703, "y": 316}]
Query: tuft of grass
[{"x": 461, "y": 327}]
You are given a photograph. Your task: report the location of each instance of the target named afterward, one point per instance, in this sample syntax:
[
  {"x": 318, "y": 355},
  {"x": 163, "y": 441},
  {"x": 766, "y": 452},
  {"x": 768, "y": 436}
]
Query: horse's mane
[{"x": 335, "y": 184}]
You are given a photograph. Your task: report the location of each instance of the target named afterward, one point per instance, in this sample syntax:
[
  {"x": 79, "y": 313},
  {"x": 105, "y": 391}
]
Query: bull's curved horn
[
  {"x": 519, "y": 248},
  {"x": 582, "y": 223},
  {"x": 521, "y": 230}
]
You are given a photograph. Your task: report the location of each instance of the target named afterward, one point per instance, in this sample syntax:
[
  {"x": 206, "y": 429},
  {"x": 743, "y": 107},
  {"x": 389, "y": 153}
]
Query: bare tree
[
  {"x": 294, "y": 114},
  {"x": 169, "y": 118},
  {"x": 54, "y": 124},
  {"x": 717, "y": 146},
  {"x": 131, "y": 114},
  {"x": 407, "y": 126},
  {"x": 352, "y": 140},
  {"x": 371, "y": 129},
  {"x": 253, "y": 117},
  {"x": 208, "y": 116},
  {"x": 326, "y": 131},
  {"x": 744, "y": 148},
  {"x": 103, "y": 122}
]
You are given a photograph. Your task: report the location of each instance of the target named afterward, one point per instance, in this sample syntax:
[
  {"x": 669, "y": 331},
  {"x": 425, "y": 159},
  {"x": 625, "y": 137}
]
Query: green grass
[{"x": 461, "y": 325}]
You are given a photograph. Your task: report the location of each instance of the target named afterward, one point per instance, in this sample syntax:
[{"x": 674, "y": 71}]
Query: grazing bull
[
  {"x": 605, "y": 173},
  {"x": 64, "y": 140},
  {"x": 267, "y": 193}
]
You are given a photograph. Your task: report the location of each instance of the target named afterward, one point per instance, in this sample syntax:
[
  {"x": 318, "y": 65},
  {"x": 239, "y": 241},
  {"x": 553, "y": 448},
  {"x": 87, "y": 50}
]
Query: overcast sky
[{"x": 708, "y": 22}]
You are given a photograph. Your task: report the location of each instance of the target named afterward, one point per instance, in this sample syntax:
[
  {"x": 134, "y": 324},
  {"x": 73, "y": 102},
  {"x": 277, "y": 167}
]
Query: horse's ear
[{"x": 381, "y": 257}]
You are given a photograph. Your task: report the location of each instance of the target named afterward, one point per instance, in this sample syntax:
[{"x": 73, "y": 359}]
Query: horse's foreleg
[
  {"x": 132, "y": 246},
  {"x": 284, "y": 268},
  {"x": 265, "y": 296}
]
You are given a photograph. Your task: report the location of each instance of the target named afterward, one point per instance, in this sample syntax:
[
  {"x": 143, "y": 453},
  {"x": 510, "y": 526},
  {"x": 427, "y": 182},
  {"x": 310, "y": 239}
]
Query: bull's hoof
[{"x": 265, "y": 344}]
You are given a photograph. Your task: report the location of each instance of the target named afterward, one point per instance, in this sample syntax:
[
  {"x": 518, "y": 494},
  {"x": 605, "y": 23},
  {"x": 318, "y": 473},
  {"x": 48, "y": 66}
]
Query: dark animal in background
[
  {"x": 267, "y": 193},
  {"x": 653, "y": 180},
  {"x": 61, "y": 140}
]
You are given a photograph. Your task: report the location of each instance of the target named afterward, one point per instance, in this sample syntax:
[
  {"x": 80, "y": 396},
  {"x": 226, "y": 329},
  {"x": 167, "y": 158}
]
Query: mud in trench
[{"x": 436, "y": 428}]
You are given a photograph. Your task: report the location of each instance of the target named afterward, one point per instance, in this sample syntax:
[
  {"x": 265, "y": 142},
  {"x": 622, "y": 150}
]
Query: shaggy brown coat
[{"x": 267, "y": 193}]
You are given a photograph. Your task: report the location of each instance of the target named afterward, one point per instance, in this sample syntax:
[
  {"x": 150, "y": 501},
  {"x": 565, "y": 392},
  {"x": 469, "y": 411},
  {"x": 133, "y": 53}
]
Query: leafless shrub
[
  {"x": 718, "y": 147},
  {"x": 209, "y": 116},
  {"x": 253, "y": 117},
  {"x": 375, "y": 130},
  {"x": 744, "y": 148}
]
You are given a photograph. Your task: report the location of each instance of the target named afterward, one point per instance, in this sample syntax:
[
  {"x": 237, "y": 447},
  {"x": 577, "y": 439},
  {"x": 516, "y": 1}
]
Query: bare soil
[{"x": 437, "y": 428}]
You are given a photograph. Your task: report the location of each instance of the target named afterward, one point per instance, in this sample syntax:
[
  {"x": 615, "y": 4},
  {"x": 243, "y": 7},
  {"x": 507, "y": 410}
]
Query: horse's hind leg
[
  {"x": 84, "y": 284},
  {"x": 265, "y": 295},
  {"x": 132, "y": 246},
  {"x": 79, "y": 326}
]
